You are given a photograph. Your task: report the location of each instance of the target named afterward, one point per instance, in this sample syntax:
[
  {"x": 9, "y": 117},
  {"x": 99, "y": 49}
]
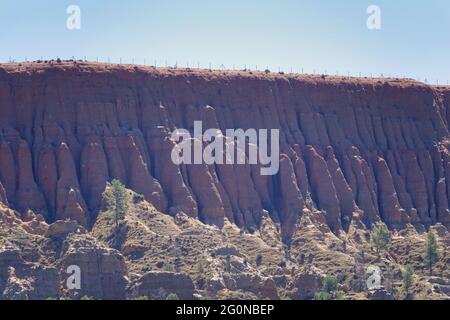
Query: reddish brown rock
[
  {"x": 115, "y": 163},
  {"x": 158, "y": 285},
  {"x": 306, "y": 285},
  {"x": 300, "y": 172},
  {"x": 416, "y": 186},
  {"x": 69, "y": 201},
  {"x": 139, "y": 177},
  {"x": 8, "y": 171},
  {"x": 290, "y": 199},
  {"x": 211, "y": 206},
  {"x": 94, "y": 173},
  {"x": 244, "y": 199},
  {"x": 22, "y": 280},
  {"x": 363, "y": 190},
  {"x": 48, "y": 178},
  {"x": 264, "y": 288},
  {"x": 343, "y": 190},
  {"x": 180, "y": 197},
  {"x": 3, "y": 197},
  {"x": 103, "y": 270},
  {"x": 390, "y": 209},
  {"x": 111, "y": 118},
  {"x": 28, "y": 195},
  {"x": 324, "y": 191}
]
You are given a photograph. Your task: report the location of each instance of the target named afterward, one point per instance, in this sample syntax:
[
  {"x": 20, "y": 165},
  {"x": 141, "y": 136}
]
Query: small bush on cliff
[
  {"x": 201, "y": 265},
  {"x": 380, "y": 238},
  {"x": 407, "y": 274},
  {"x": 431, "y": 250},
  {"x": 172, "y": 296},
  {"x": 325, "y": 296},
  {"x": 138, "y": 198},
  {"x": 329, "y": 284},
  {"x": 140, "y": 298},
  {"x": 329, "y": 290},
  {"x": 169, "y": 267},
  {"x": 117, "y": 200},
  {"x": 259, "y": 259}
]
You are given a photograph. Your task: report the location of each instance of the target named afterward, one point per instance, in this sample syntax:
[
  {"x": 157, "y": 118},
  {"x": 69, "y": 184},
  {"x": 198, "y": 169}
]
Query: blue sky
[{"x": 321, "y": 35}]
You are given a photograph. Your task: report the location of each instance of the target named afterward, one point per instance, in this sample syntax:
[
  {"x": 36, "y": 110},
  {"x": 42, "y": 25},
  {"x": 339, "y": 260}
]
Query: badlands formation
[{"x": 355, "y": 152}]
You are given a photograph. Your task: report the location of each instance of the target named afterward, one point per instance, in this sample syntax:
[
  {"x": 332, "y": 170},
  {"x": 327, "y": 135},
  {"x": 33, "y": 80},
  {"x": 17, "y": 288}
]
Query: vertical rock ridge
[{"x": 379, "y": 148}]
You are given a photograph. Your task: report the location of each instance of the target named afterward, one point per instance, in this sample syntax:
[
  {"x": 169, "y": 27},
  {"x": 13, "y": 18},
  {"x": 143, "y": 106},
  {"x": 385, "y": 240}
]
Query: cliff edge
[{"x": 352, "y": 149}]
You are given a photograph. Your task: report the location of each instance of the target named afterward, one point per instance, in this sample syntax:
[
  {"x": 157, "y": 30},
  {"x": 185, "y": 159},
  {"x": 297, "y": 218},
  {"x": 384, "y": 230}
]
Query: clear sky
[{"x": 321, "y": 35}]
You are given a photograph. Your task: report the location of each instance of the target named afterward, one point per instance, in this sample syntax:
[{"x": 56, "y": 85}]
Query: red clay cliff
[{"x": 375, "y": 148}]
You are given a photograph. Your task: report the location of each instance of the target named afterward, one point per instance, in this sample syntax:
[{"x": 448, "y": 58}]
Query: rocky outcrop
[
  {"x": 103, "y": 271},
  {"x": 21, "y": 280},
  {"x": 3, "y": 197},
  {"x": 61, "y": 229},
  {"x": 323, "y": 188},
  {"x": 27, "y": 195},
  {"x": 158, "y": 285},
  {"x": 7, "y": 172},
  {"x": 305, "y": 285},
  {"x": 180, "y": 197},
  {"x": 70, "y": 203},
  {"x": 40, "y": 261},
  {"x": 378, "y": 148},
  {"x": 262, "y": 287}
]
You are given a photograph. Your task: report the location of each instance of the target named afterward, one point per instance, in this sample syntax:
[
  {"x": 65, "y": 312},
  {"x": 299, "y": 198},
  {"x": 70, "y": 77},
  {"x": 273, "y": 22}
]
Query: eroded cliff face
[{"x": 365, "y": 150}]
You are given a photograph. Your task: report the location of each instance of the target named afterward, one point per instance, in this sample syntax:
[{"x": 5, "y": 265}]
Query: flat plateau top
[{"x": 84, "y": 67}]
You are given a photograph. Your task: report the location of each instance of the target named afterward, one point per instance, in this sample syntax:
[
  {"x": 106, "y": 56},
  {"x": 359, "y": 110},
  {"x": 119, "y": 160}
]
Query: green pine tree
[
  {"x": 380, "y": 238},
  {"x": 117, "y": 200},
  {"x": 407, "y": 274},
  {"x": 431, "y": 250}
]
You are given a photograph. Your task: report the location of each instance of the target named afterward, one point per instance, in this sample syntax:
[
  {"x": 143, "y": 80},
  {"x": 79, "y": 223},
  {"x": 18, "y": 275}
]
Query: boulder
[
  {"x": 305, "y": 285},
  {"x": 157, "y": 285}
]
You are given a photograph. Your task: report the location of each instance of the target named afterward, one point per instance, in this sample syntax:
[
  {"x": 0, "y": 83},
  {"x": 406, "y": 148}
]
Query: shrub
[
  {"x": 323, "y": 296},
  {"x": 329, "y": 290},
  {"x": 259, "y": 260},
  {"x": 138, "y": 198},
  {"x": 201, "y": 265},
  {"x": 329, "y": 284},
  {"x": 169, "y": 267},
  {"x": 172, "y": 296}
]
